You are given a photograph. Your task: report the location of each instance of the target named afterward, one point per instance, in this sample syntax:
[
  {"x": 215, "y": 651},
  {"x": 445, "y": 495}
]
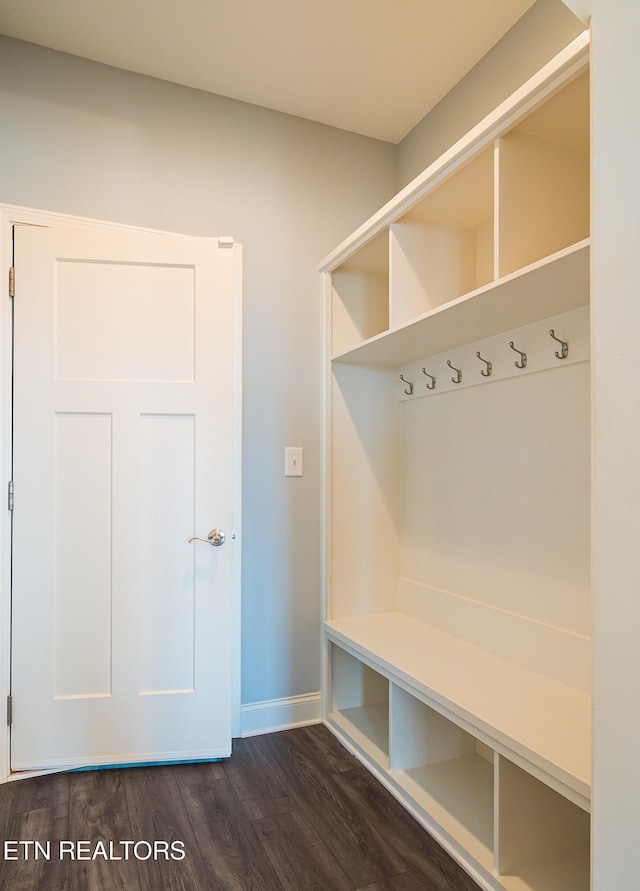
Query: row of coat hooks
[{"x": 487, "y": 371}]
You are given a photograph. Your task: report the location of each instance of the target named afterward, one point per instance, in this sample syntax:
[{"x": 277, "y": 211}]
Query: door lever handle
[{"x": 215, "y": 538}]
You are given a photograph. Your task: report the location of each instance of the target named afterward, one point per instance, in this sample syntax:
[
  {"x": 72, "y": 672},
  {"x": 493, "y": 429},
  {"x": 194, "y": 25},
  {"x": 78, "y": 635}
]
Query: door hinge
[
  {"x": 10, "y": 491},
  {"x": 12, "y": 281},
  {"x": 9, "y": 710},
  {"x": 225, "y": 242}
]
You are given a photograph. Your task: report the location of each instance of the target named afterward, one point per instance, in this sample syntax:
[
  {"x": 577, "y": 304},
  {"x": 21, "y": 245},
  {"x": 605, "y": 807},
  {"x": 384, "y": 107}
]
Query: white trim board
[
  {"x": 272, "y": 715},
  {"x": 541, "y": 354}
]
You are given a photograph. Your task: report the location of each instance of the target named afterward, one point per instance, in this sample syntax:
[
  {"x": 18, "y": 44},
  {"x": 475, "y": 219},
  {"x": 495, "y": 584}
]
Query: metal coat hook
[
  {"x": 523, "y": 356},
  {"x": 410, "y": 390},
  {"x": 489, "y": 370},
  {"x": 564, "y": 345},
  {"x": 432, "y": 385},
  {"x": 455, "y": 380}
]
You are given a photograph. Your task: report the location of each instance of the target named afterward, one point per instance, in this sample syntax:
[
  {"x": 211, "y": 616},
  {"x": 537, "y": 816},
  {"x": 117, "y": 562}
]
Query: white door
[{"x": 123, "y": 449}]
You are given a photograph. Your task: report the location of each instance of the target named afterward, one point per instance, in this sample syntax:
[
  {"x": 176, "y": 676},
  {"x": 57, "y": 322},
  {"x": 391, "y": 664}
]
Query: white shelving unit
[{"x": 458, "y": 621}]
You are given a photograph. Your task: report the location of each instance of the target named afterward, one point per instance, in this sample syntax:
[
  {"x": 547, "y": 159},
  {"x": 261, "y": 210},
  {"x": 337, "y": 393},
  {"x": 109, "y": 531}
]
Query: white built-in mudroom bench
[{"x": 458, "y": 610}]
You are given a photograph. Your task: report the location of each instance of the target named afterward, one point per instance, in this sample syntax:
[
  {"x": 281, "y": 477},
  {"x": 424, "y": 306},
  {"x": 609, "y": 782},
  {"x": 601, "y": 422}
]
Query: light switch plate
[{"x": 293, "y": 461}]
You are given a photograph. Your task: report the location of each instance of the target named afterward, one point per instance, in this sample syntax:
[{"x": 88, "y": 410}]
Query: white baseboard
[{"x": 272, "y": 715}]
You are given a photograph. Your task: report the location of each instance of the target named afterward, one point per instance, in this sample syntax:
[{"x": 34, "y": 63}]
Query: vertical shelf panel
[
  {"x": 365, "y": 491},
  {"x": 542, "y": 839}
]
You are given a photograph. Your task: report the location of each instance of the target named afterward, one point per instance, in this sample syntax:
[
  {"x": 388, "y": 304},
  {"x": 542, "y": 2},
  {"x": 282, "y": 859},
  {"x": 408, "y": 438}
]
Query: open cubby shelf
[
  {"x": 551, "y": 286},
  {"x": 508, "y": 824},
  {"x": 517, "y": 204},
  {"x": 459, "y": 791},
  {"x": 501, "y": 701},
  {"x": 458, "y": 620}
]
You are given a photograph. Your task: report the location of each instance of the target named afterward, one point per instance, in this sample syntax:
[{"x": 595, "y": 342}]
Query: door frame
[{"x": 11, "y": 215}]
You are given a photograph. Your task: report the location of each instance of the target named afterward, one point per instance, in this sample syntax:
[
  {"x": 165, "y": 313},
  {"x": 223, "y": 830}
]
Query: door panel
[
  {"x": 123, "y": 448},
  {"x": 81, "y": 534},
  {"x": 101, "y": 334},
  {"x": 168, "y": 584}
]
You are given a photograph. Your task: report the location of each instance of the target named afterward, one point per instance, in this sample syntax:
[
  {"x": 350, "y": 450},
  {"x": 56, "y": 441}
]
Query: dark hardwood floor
[{"x": 290, "y": 811}]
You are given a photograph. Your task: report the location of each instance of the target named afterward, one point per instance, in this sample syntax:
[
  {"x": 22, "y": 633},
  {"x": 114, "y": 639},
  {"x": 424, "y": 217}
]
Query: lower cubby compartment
[
  {"x": 542, "y": 839},
  {"x": 505, "y": 825},
  {"x": 446, "y": 771},
  {"x": 360, "y": 704}
]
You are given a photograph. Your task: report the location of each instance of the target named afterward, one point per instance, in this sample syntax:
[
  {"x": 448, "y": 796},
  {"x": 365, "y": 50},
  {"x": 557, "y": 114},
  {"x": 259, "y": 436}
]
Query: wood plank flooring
[{"x": 291, "y": 811}]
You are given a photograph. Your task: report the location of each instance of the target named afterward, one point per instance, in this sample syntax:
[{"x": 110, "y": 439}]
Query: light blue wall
[{"x": 94, "y": 141}]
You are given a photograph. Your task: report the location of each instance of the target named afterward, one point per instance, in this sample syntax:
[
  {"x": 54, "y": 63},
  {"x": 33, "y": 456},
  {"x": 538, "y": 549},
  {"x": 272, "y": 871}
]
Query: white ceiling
[{"x": 371, "y": 66}]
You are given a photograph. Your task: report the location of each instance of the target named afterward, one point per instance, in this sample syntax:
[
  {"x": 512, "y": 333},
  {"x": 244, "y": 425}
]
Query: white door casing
[{"x": 123, "y": 448}]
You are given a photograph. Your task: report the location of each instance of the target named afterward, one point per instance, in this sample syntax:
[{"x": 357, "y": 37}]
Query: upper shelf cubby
[
  {"x": 360, "y": 295},
  {"x": 543, "y": 179},
  {"x": 509, "y": 197},
  {"x": 443, "y": 246}
]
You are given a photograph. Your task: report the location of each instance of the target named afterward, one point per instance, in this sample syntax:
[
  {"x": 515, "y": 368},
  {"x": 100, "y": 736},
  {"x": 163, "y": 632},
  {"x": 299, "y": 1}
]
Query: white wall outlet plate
[{"x": 293, "y": 461}]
